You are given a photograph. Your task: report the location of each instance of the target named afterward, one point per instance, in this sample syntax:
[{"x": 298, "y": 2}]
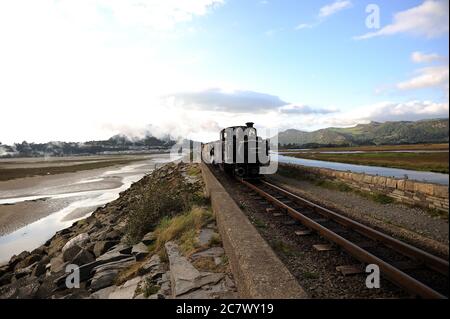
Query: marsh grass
[{"x": 432, "y": 162}]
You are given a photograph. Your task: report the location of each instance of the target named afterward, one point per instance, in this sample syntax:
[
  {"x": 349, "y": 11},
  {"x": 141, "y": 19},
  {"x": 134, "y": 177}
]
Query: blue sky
[{"x": 77, "y": 70}]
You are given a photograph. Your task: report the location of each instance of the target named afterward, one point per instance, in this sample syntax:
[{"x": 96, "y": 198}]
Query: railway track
[{"x": 416, "y": 271}]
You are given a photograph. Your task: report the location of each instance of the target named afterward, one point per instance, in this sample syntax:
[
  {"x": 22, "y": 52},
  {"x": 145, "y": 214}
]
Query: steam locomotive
[{"x": 239, "y": 151}]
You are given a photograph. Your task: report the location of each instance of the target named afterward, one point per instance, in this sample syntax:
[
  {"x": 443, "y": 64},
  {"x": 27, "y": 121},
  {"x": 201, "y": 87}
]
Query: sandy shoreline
[
  {"x": 15, "y": 216},
  {"x": 36, "y": 207}
]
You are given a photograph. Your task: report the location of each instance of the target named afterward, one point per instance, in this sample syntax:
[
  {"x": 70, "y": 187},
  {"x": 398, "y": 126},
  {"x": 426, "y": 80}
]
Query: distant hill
[
  {"x": 374, "y": 133},
  {"x": 117, "y": 144}
]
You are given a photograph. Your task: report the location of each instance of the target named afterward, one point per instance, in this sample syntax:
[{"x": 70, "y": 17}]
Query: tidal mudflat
[{"x": 33, "y": 208}]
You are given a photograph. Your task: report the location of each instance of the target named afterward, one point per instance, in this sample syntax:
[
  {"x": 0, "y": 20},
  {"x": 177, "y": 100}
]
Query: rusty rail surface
[{"x": 392, "y": 273}]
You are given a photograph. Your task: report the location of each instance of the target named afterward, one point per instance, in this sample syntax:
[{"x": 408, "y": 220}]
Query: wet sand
[
  {"x": 32, "y": 209},
  {"x": 58, "y": 183},
  {"x": 15, "y": 216}
]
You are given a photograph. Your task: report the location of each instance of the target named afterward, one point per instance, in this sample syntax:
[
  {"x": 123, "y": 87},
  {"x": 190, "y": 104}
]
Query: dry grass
[
  {"x": 182, "y": 228},
  {"x": 194, "y": 170},
  {"x": 161, "y": 198},
  {"x": 128, "y": 273},
  {"x": 215, "y": 241},
  {"x": 208, "y": 264}
]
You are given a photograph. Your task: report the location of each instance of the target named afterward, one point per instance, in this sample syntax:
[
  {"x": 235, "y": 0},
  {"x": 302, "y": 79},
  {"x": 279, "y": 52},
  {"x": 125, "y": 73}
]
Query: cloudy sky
[{"x": 87, "y": 69}]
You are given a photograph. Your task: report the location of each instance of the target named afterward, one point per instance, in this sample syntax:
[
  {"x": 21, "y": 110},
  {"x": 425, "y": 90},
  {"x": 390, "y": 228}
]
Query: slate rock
[
  {"x": 205, "y": 236},
  {"x": 4, "y": 269},
  {"x": 22, "y": 272},
  {"x": 116, "y": 264},
  {"x": 48, "y": 287},
  {"x": 210, "y": 252},
  {"x": 17, "y": 258},
  {"x": 103, "y": 279},
  {"x": 42, "y": 250},
  {"x": 6, "y": 279},
  {"x": 113, "y": 235},
  {"x": 102, "y": 247},
  {"x": 150, "y": 264},
  {"x": 40, "y": 269},
  {"x": 24, "y": 288},
  {"x": 79, "y": 240},
  {"x": 103, "y": 293},
  {"x": 105, "y": 274},
  {"x": 57, "y": 264},
  {"x": 148, "y": 238},
  {"x": 83, "y": 257},
  {"x": 184, "y": 276},
  {"x": 127, "y": 290},
  {"x": 70, "y": 253},
  {"x": 139, "y": 250},
  {"x": 31, "y": 259},
  {"x": 183, "y": 273},
  {"x": 121, "y": 248}
]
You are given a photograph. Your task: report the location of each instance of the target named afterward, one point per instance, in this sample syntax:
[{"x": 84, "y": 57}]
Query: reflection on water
[
  {"x": 372, "y": 170},
  {"x": 36, "y": 233}
]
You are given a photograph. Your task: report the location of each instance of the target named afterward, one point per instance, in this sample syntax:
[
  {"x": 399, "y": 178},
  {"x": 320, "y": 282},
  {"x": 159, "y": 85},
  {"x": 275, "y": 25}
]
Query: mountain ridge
[{"x": 373, "y": 133}]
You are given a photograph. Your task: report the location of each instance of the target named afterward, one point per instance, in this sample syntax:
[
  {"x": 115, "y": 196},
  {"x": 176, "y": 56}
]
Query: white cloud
[
  {"x": 155, "y": 14},
  {"x": 334, "y": 7},
  {"x": 218, "y": 99},
  {"x": 434, "y": 76},
  {"x": 429, "y": 19},
  {"x": 419, "y": 57},
  {"x": 304, "y": 109},
  {"x": 272, "y": 32},
  {"x": 238, "y": 101},
  {"x": 325, "y": 12},
  {"x": 304, "y": 26},
  {"x": 389, "y": 111},
  {"x": 407, "y": 111},
  {"x": 70, "y": 67}
]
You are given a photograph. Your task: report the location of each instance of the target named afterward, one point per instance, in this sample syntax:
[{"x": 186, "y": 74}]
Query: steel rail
[
  {"x": 438, "y": 264},
  {"x": 392, "y": 273}
]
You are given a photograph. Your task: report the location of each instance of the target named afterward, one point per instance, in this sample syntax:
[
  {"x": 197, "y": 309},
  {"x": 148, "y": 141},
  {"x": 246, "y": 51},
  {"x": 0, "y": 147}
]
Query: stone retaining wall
[
  {"x": 257, "y": 270},
  {"x": 403, "y": 190}
]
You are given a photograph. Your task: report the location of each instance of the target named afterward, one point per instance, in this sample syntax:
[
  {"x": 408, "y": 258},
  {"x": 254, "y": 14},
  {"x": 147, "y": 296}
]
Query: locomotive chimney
[{"x": 249, "y": 124}]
